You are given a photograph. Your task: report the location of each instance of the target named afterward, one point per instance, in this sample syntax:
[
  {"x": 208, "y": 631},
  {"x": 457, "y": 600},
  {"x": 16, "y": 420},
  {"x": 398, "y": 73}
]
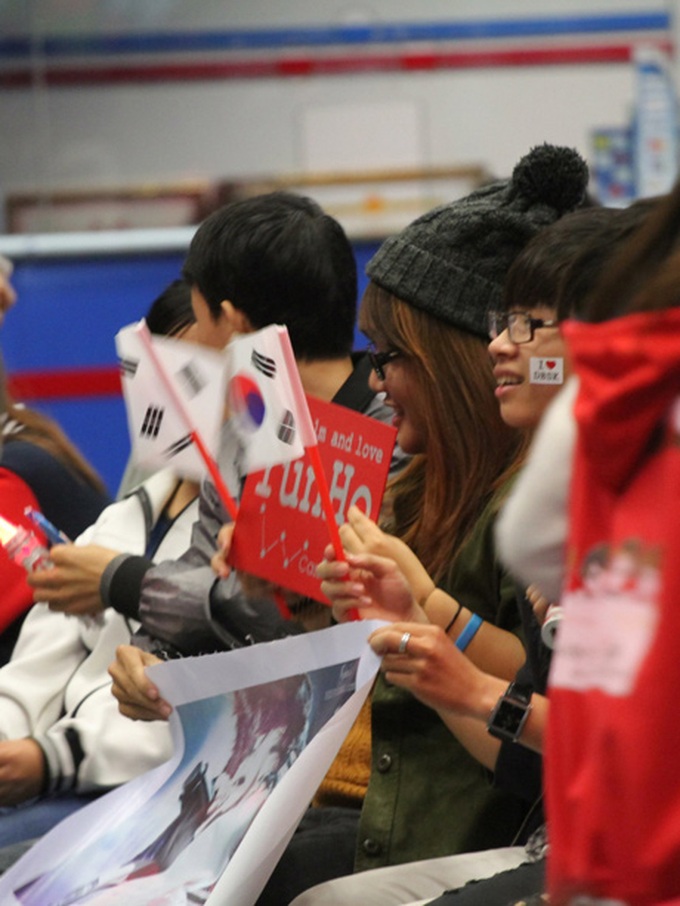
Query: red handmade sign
[{"x": 281, "y": 530}]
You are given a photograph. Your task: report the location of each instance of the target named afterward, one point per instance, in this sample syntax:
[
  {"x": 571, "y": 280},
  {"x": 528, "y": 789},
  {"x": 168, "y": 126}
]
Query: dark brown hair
[
  {"x": 439, "y": 496},
  {"x": 562, "y": 264},
  {"x": 35, "y": 428},
  {"x": 644, "y": 275}
]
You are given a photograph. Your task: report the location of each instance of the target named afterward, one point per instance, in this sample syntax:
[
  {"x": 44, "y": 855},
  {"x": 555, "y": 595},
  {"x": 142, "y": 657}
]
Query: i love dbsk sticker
[{"x": 546, "y": 371}]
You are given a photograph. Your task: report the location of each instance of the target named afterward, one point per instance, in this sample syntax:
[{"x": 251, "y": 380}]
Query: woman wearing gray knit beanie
[
  {"x": 432, "y": 287},
  {"x": 425, "y": 310}
]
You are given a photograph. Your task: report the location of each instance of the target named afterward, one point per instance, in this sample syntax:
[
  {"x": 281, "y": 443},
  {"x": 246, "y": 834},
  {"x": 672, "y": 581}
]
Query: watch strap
[{"x": 510, "y": 712}]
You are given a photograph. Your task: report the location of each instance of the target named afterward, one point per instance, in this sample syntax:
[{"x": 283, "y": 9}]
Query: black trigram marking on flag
[
  {"x": 128, "y": 367},
  {"x": 152, "y": 422},
  {"x": 263, "y": 363},
  {"x": 191, "y": 379},
  {"x": 178, "y": 446},
  {"x": 286, "y": 430}
]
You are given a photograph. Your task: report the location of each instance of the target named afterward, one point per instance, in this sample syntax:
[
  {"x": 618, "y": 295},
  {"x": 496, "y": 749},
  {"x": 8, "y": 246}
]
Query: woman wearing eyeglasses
[
  {"x": 528, "y": 362},
  {"x": 425, "y": 311},
  {"x": 473, "y": 700}
]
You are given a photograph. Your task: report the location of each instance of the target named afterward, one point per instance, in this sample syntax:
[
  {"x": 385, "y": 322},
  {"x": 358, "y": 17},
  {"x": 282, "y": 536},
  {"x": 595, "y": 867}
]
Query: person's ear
[{"x": 238, "y": 320}]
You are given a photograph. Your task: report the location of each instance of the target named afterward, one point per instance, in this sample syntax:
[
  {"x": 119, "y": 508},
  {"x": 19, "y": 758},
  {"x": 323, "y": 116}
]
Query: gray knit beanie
[{"x": 452, "y": 261}]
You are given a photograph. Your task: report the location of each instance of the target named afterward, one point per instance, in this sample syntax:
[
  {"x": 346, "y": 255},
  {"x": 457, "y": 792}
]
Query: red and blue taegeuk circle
[{"x": 246, "y": 402}]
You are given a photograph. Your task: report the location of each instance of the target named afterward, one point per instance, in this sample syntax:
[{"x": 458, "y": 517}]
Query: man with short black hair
[{"x": 276, "y": 258}]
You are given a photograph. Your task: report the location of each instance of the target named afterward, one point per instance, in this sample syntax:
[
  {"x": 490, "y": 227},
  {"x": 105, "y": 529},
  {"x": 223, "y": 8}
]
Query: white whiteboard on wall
[{"x": 362, "y": 136}]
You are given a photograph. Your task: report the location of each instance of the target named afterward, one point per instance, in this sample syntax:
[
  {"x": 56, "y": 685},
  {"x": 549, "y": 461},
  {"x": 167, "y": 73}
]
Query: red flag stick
[
  {"x": 216, "y": 476},
  {"x": 311, "y": 443}
]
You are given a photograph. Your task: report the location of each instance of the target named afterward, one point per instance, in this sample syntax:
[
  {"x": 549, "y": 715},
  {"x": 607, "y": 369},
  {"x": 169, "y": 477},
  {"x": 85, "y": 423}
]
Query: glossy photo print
[{"x": 180, "y": 834}]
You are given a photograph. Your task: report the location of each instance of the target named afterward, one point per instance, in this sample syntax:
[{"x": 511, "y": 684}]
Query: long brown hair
[
  {"x": 22, "y": 423},
  {"x": 470, "y": 451}
]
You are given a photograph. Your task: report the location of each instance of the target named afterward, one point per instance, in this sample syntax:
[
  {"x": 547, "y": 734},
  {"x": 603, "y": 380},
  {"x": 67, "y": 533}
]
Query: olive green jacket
[{"x": 427, "y": 796}]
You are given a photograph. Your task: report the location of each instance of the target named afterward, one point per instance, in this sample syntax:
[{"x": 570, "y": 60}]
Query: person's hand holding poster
[{"x": 255, "y": 731}]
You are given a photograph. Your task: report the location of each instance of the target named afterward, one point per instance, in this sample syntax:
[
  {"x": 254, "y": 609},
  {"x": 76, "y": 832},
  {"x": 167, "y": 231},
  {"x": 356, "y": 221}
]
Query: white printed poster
[{"x": 255, "y": 731}]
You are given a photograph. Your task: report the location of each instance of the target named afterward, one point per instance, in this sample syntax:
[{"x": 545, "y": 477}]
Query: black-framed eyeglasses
[
  {"x": 519, "y": 324},
  {"x": 380, "y": 359}
]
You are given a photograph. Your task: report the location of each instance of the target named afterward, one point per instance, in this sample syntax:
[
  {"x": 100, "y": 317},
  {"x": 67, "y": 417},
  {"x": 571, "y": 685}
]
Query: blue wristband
[{"x": 468, "y": 634}]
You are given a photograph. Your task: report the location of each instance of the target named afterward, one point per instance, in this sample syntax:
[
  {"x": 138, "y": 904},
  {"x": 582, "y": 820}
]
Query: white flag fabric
[
  {"x": 255, "y": 731},
  {"x": 266, "y": 399},
  {"x": 163, "y": 409}
]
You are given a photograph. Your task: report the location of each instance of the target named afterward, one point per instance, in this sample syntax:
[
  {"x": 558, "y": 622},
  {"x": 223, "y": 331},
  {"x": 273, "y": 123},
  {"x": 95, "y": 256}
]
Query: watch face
[{"x": 509, "y": 716}]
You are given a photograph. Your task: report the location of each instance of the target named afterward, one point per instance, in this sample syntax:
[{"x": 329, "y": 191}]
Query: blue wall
[{"x": 68, "y": 313}]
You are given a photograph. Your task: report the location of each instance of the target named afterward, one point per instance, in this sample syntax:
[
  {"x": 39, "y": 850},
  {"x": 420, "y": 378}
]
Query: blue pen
[{"x": 53, "y": 535}]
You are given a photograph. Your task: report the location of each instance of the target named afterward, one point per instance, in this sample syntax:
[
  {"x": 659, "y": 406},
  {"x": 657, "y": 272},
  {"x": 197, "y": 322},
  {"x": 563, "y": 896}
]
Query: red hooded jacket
[{"x": 613, "y": 742}]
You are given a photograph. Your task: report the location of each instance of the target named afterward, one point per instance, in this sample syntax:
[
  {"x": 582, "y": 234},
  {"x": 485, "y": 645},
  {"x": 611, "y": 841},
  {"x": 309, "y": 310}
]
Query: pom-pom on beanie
[{"x": 452, "y": 261}]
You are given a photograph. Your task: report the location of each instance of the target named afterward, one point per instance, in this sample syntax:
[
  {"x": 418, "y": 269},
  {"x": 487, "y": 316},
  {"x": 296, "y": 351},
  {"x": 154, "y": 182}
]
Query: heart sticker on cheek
[{"x": 546, "y": 371}]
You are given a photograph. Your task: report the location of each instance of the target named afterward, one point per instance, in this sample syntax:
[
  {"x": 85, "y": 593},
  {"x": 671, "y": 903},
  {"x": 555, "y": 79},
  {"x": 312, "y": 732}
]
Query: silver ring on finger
[{"x": 403, "y": 642}]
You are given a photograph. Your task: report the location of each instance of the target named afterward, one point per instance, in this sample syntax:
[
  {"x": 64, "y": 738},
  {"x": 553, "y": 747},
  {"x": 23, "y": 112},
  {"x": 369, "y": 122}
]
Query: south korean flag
[
  {"x": 267, "y": 404},
  {"x": 172, "y": 389}
]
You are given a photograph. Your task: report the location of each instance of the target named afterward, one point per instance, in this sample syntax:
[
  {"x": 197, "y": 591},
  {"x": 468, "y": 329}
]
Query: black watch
[{"x": 510, "y": 713}]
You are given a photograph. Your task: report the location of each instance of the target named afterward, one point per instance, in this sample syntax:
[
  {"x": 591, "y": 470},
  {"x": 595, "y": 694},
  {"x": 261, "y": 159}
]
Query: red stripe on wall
[
  {"x": 81, "y": 382},
  {"x": 326, "y": 65}
]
